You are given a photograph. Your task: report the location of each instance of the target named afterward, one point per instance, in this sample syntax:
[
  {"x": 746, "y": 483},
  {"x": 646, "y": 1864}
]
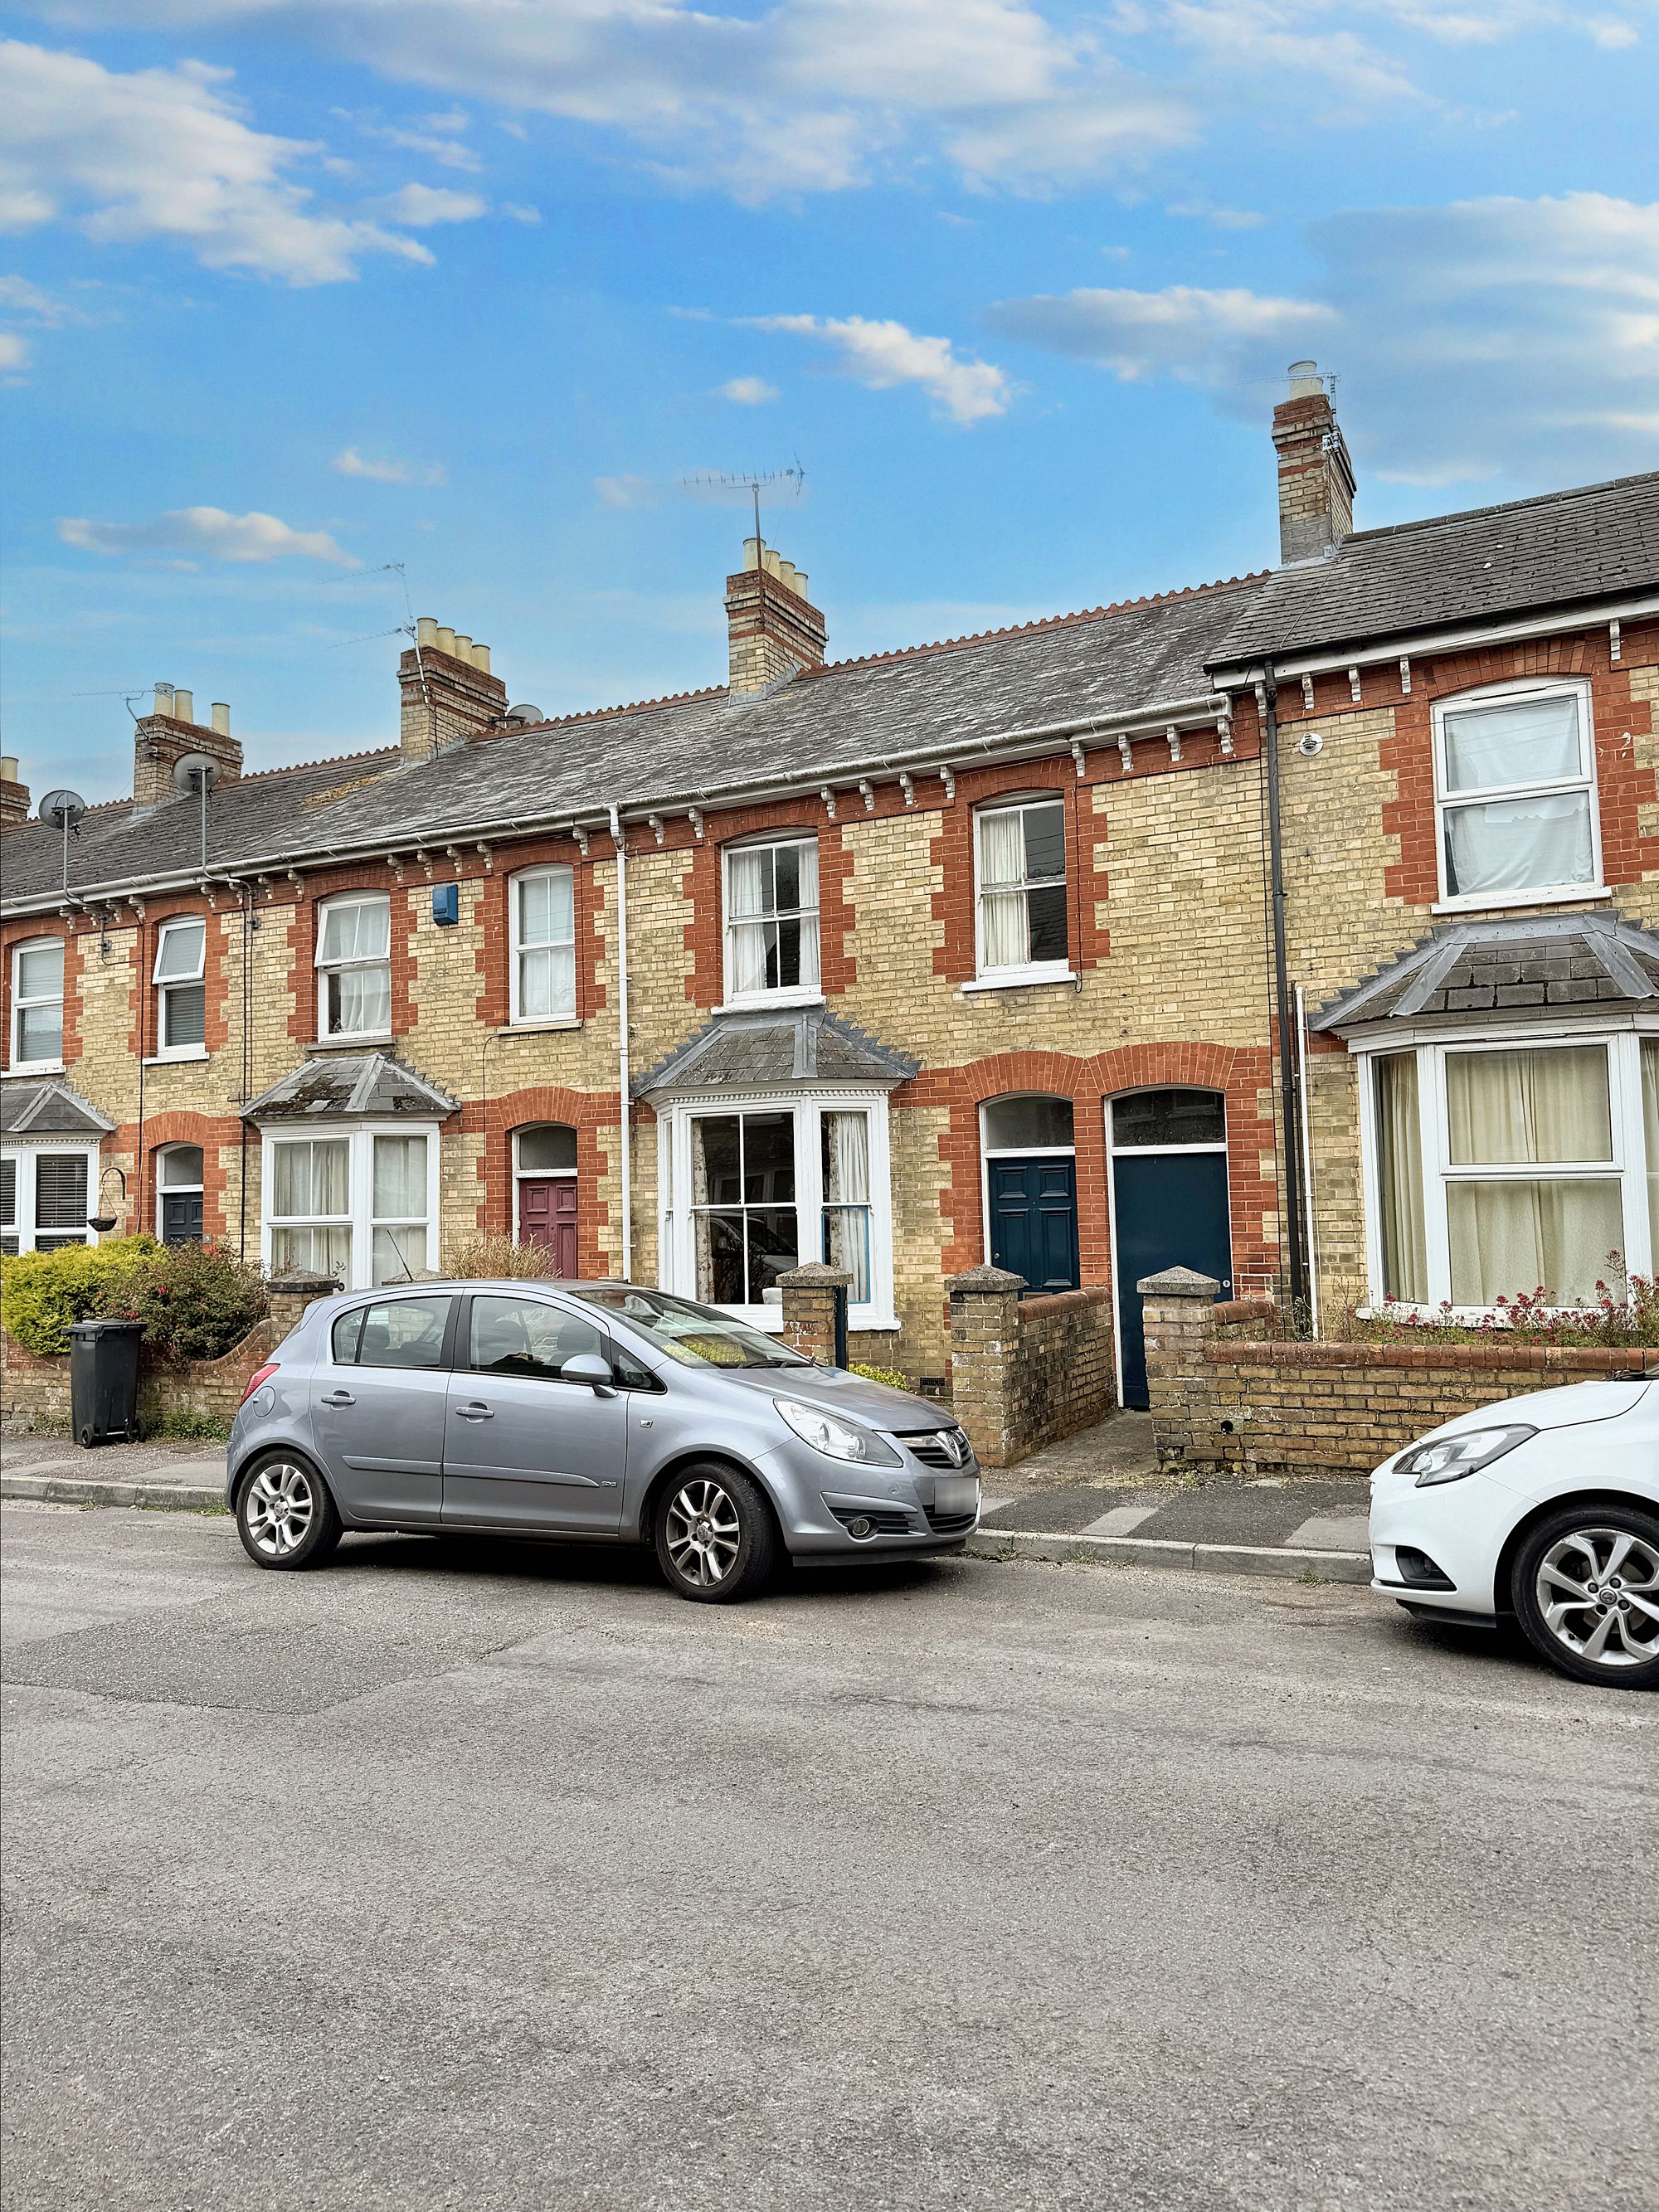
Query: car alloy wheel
[
  {"x": 716, "y": 1539},
  {"x": 1586, "y": 1591},
  {"x": 284, "y": 1514}
]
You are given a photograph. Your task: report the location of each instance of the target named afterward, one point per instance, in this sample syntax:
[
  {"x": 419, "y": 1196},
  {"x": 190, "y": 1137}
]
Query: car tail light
[{"x": 259, "y": 1375}]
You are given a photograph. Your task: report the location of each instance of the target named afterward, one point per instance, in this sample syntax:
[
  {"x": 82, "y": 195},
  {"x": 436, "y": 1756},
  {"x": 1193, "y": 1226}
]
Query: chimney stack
[
  {"x": 448, "y": 693},
  {"x": 170, "y": 731},
  {"x": 774, "y": 629},
  {"x": 14, "y": 794},
  {"x": 1315, "y": 476}
]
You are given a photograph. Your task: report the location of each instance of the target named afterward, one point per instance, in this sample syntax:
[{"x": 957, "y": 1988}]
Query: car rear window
[{"x": 397, "y": 1332}]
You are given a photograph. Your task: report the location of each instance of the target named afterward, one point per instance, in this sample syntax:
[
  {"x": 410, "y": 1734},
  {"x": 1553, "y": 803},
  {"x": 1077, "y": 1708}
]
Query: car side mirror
[{"x": 588, "y": 1367}]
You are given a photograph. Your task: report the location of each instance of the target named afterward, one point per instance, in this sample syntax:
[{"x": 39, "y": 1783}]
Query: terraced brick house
[{"x": 1299, "y": 927}]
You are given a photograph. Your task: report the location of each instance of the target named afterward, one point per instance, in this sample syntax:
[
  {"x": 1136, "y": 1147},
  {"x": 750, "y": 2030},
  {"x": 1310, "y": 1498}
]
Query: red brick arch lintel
[
  {"x": 593, "y": 1115},
  {"x": 220, "y": 1135}
]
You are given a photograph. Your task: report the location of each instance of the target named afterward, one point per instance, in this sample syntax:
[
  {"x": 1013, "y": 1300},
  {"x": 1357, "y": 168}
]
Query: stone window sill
[
  {"x": 764, "y": 1001},
  {"x": 195, "y": 1056},
  {"x": 539, "y": 1029},
  {"x": 1484, "y": 902},
  {"x": 35, "y": 1067},
  {"x": 369, "y": 1043},
  {"x": 1021, "y": 979}
]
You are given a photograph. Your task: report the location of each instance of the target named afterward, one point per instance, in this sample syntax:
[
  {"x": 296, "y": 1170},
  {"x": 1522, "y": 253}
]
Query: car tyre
[
  {"x": 1585, "y": 1590},
  {"x": 285, "y": 1514},
  {"x": 716, "y": 1540}
]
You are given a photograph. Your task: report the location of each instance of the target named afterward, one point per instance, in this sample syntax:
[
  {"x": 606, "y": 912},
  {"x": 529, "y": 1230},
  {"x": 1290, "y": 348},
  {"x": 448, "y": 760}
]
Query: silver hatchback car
[{"x": 597, "y": 1411}]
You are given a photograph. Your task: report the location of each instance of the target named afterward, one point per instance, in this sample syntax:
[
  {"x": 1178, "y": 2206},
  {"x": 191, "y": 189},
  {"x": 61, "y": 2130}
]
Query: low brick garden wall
[
  {"x": 1026, "y": 1371},
  {"x": 1229, "y": 1396}
]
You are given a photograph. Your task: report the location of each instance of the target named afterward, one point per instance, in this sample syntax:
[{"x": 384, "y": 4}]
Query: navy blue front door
[
  {"x": 1171, "y": 1213},
  {"x": 1034, "y": 1218}
]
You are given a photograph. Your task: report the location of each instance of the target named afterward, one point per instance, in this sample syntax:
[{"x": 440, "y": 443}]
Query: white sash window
[
  {"x": 772, "y": 922},
  {"x": 354, "y": 967},
  {"x": 360, "y": 1204},
  {"x": 180, "y": 991},
  {"x": 543, "y": 915},
  {"x": 1515, "y": 784},
  {"x": 37, "y": 1005}
]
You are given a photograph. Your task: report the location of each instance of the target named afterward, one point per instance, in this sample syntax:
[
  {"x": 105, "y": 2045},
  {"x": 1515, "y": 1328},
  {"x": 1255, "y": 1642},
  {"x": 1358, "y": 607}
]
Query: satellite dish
[
  {"x": 62, "y": 808},
  {"x": 196, "y": 772},
  {"x": 525, "y": 712}
]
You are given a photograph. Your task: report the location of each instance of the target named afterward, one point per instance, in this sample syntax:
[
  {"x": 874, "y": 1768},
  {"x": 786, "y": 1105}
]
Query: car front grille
[
  {"x": 883, "y": 1521},
  {"x": 929, "y": 1446},
  {"x": 950, "y": 1524}
]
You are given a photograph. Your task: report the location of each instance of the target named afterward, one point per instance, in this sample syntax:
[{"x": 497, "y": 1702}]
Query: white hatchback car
[{"x": 1545, "y": 1508}]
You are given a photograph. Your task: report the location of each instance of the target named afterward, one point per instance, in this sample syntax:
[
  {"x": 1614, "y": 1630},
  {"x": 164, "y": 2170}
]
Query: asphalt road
[{"x": 495, "y": 1877}]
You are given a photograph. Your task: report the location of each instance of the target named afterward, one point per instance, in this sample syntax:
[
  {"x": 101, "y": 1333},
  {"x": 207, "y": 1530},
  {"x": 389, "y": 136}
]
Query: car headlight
[
  {"x": 836, "y": 1439},
  {"x": 1450, "y": 1458}
]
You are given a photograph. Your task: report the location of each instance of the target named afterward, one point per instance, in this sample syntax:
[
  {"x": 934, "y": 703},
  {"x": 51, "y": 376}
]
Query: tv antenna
[
  {"x": 754, "y": 483},
  {"x": 197, "y": 772},
  {"x": 62, "y": 808}
]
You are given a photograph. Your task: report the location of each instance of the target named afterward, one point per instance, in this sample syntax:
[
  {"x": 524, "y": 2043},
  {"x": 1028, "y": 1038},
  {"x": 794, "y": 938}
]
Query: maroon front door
[{"x": 547, "y": 1217}]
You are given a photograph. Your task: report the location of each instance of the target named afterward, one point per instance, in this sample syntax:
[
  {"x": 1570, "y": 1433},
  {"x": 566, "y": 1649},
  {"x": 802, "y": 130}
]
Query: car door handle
[
  {"x": 338, "y": 1398},
  {"x": 475, "y": 1411}
]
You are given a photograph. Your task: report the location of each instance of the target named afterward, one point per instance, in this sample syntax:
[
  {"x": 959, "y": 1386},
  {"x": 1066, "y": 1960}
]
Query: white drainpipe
[{"x": 623, "y": 1074}]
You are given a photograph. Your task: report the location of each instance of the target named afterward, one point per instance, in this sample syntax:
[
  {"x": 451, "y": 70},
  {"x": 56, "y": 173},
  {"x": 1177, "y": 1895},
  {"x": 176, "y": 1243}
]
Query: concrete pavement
[{"x": 490, "y": 1876}]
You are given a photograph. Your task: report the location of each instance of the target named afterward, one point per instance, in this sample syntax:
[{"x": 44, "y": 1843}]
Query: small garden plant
[
  {"x": 1625, "y": 1313},
  {"x": 196, "y": 1301}
]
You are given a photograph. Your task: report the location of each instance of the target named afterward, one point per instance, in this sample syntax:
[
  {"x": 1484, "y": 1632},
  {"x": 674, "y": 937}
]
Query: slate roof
[
  {"x": 769, "y": 1051},
  {"x": 946, "y": 701},
  {"x": 1507, "y": 967},
  {"x": 341, "y": 1083},
  {"x": 1569, "y": 548},
  {"x": 49, "y": 1109}
]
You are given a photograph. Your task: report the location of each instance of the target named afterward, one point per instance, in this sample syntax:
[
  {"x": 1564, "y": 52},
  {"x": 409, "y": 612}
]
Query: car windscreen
[{"x": 698, "y": 1336}]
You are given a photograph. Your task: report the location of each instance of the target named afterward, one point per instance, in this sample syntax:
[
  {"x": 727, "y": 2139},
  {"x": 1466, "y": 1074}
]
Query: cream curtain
[
  {"x": 360, "y": 932},
  {"x": 1527, "y": 741},
  {"x": 310, "y": 1177},
  {"x": 1510, "y": 1108},
  {"x": 1650, "y": 1129},
  {"x": 1002, "y": 910},
  {"x": 1519, "y": 844},
  {"x": 547, "y": 907},
  {"x": 1400, "y": 1151},
  {"x": 1519, "y": 1236},
  {"x": 748, "y": 895},
  {"x": 362, "y": 1002},
  {"x": 845, "y": 1199},
  {"x": 400, "y": 1178}
]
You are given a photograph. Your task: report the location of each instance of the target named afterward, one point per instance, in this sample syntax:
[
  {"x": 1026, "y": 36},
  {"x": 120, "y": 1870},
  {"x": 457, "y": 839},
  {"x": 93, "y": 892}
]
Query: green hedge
[
  {"x": 41, "y": 1293},
  {"x": 196, "y": 1302}
]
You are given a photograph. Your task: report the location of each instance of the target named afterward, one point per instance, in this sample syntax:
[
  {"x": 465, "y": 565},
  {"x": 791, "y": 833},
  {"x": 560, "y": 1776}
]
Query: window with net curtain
[
  {"x": 354, "y": 963},
  {"x": 37, "y": 988},
  {"x": 844, "y": 1142},
  {"x": 1022, "y": 885},
  {"x": 1516, "y": 796},
  {"x": 181, "y": 952},
  {"x": 309, "y": 1207},
  {"x": 771, "y": 918},
  {"x": 544, "y": 945},
  {"x": 398, "y": 1207}
]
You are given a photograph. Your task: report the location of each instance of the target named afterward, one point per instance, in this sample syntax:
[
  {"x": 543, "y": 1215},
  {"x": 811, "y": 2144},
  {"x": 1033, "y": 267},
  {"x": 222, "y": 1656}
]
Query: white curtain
[
  {"x": 1528, "y": 741},
  {"x": 1002, "y": 911},
  {"x": 362, "y": 1001},
  {"x": 1510, "y": 1108},
  {"x": 547, "y": 907},
  {"x": 326, "y": 1251},
  {"x": 1650, "y": 1126},
  {"x": 310, "y": 1177},
  {"x": 845, "y": 1196},
  {"x": 1519, "y": 844},
  {"x": 1399, "y": 1146},
  {"x": 748, "y": 896},
  {"x": 806, "y": 865},
  {"x": 1512, "y": 1236},
  {"x": 547, "y": 982},
  {"x": 360, "y": 932},
  {"x": 400, "y": 1178}
]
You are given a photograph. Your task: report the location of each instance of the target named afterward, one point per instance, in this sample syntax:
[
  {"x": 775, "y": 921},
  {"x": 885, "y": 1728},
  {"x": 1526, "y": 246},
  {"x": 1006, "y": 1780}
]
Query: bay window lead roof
[
  {"x": 775, "y": 1049},
  {"x": 1552, "y": 965},
  {"x": 1565, "y": 549},
  {"x": 341, "y": 1085},
  {"x": 49, "y": 1109}
]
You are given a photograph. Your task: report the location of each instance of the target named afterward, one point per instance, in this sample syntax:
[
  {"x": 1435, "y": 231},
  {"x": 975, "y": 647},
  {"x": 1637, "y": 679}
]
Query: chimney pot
[
  {"x": 463, "y": 646},
  {"x": 481, "y": 658},
  {"x": 1305, "y": 380},
  {"x": 426, "y": 630},
  {"x": 220, "y": 712},
  {"x": 14, "y": 794},
  {"x": 184, "y": 706},
  {"x": 163, "y": 701},
  {"x": 446, "y": 638},
  {"x": 8, "y": 767}
]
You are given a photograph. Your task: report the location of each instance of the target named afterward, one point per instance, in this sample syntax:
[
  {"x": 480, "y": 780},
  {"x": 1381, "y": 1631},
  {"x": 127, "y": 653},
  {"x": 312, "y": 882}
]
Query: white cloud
[
  {"x": 419, "y": 206},
  {"x": 351, "y": 463},
  {"x": 1489, "y": 337},
  {"x": 885, "y": 355},
  {"x": 516, "y": 211},
  {"x": 14, "y": 352},
  {"x": 435, "y": 136},
  {"x": 749, "y": 391},
  {"x": 209, "y": 531},
  {"x": 625, "y": 491},
  {"x": 163, "y": 154}
]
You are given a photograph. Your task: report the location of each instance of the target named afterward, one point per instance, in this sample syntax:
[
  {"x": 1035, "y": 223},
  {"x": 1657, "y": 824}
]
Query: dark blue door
[
  {"x": 1171, "y": 1213},
  {"x": 1034, "y": 1219}
]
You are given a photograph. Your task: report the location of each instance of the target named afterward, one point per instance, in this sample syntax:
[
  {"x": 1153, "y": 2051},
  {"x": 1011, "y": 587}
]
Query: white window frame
[
  {"x": 26, "y": 1152},
  {"x": 1500, "y": 695},
  {"x": 1628, "y": 1166},
  {"x": 326, "y": 968},
  {"x": 360, "y": 1219},
  {"x": 676, "y": 1270},
  {"x": 516, "y": 1016},
  {"x": 165, "y": 986},
  {"x": 18, "y": 1003},
  {"x": 789, "y": 994},
  {"x": 1027, "y": 971}
]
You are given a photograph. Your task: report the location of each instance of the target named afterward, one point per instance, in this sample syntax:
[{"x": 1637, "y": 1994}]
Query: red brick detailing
[
  {"x": 74, "y": 959},
  {"x": 494, "y": 927},
  {"x": 220, "y": 1135},
  {"x": 593, "y": 1115},
  {"x": 1245, "y": 1073},
  {"x": 304, "y": 1016},
  {"x": 1628, "y": 852}
]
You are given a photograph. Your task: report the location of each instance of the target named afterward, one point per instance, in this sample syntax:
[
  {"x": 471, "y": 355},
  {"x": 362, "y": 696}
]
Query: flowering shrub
[
  {"x": 42, "y": 1293},
  {"x": 1624, "y": 1314},
  {"x": 196, "y": 1301}
]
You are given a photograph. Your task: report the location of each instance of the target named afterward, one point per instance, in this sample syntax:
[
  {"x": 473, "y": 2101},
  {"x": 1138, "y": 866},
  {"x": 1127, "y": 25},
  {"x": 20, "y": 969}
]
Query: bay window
[
  {"x": 45, "y": 1196},
  {"x": 354, "y": 967},
  {"x": 542, "y": 907},
  {"x": 1514, "y": 783},
  {"x": 1019, "y": 857},
  {"x": 37, "y": 1005},
  {"x": 772, "y": 921},
  {"x": 358, "y": 1204},
  {"x": 180, "y": 990},
  {"x": 755, "y": 1188},
  {"x": 1500, "y": 1168}
]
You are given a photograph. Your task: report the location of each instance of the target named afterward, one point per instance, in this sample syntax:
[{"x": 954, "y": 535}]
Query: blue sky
[{"x": 292, "y": 291}]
